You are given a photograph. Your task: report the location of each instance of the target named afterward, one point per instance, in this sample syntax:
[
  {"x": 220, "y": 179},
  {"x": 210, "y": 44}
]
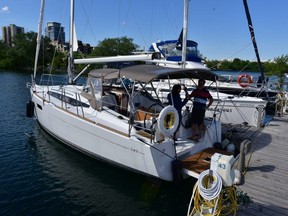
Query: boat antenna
[
  {"x": 70, "y": 68},
  {"x": 261, "y": 79}
]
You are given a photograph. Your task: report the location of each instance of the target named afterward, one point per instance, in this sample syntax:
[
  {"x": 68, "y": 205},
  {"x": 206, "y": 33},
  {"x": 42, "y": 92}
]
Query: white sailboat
[
  {"x": 121, "y": 124},
  {"x": 229, "y": 108}
]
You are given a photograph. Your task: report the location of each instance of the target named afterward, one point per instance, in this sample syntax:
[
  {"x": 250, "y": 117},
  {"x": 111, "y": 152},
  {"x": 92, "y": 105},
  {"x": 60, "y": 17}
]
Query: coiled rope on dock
[
  {"x": 210, "y": 198},
  {"x": 206, "y": 192},
  {"x": 209, "y": 192}
]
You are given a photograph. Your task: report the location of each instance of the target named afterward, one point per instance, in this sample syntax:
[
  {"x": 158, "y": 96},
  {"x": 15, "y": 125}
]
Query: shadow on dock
[{"x": 265, "y": 180}]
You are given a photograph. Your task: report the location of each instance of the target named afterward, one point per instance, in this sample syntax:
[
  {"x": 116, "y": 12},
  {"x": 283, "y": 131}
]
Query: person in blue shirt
[
  {"x": 201, "y": 96},
  {"x": 176, "y": 100}
]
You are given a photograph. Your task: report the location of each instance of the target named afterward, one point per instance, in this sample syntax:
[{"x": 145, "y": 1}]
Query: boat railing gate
[
  {"x": 66, "y": 100},
  {"x": 52, "y": 79}
]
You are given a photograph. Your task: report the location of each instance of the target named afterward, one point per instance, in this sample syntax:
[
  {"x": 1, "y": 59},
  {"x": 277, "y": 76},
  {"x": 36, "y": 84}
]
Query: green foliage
[
  {"x": 277, "y": 67},
  {"x": 115, "y": 46},
  {"x": 235, "y": 65},
  {"x": 243, "y": 199},
  {"x": 5, "y": 61},
  {"x": 22, "y": 54},
  {"x": 281, "y": 66},
  {"x": 22, "y": 49}
]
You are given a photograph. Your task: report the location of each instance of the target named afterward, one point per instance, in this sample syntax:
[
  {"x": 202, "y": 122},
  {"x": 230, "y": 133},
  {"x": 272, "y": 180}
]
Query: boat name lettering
[
  {"x": 221, "y": 110},
  {"x": 135, "y": 150},
  {"x": 245, "y": 105}
]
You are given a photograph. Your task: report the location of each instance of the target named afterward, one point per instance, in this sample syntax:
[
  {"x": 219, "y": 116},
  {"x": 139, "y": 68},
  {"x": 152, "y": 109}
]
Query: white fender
[{"x": 168, "y": 121}]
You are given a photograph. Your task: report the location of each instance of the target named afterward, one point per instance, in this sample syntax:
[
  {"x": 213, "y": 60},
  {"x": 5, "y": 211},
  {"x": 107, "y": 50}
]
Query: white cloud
[{"x": 5, "y": 9}]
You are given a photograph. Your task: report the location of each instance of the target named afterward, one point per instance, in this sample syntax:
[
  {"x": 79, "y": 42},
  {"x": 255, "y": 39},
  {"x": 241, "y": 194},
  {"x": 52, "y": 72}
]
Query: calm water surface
[{"x": 41, "y": 176}]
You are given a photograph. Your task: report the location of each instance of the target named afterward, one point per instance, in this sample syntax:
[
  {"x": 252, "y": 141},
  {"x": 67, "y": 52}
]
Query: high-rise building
[
  {"x": 8, "y": 32},
  {"x": 56, "y": 33}
]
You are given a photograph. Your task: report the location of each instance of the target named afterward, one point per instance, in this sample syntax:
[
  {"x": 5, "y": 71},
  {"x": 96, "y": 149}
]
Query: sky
[{"x": 218, "y": 26}]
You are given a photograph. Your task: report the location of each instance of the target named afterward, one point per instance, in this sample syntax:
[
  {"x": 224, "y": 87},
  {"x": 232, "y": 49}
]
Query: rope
[
  {"x": 206, "y": 192},
  {"x": 222, "y": 202},
  {"x": 249, "y": 159},
  {"x": 215, "y": 188},
  {"x": 227, "y": 201}
]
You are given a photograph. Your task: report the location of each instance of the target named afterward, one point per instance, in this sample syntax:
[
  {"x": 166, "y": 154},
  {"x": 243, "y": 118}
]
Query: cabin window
[{"x": 67, "y": 99}]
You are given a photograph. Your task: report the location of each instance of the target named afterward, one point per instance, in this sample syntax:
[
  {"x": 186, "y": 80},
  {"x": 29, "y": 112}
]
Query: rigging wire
[
  {"x": 168, "y": 15},
  {"x": 237, "y": 52},
  {"x": 58, "y": 36},
  {"x": 122, "y": 23},
  {"x": 168, "y": 20},
  {"x": 88, "y": 17}
]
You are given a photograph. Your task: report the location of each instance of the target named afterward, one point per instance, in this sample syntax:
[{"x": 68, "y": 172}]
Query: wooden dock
[{"x": 266, "y": 179}]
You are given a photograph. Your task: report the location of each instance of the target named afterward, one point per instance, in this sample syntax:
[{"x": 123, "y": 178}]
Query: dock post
[
  {"x": 260, "y": 121},
  {"x": 245, "y": 147}
]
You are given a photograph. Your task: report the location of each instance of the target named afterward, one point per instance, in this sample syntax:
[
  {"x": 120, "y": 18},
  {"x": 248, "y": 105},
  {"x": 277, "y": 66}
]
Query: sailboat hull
[
  {"x": 250, "y": 112},
  {"x": 110, "y": 144}
]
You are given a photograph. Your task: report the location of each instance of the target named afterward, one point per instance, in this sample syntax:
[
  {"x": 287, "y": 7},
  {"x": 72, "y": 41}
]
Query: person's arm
[
  {"x": 186, "y": 96},
  {"x": 184, "y": 102},
  {"x": 191, "y": 95},
  {"x": 210, "y": 102},
  {"x": 169, "y": 99},
  {"x": 186, "y": 92}
]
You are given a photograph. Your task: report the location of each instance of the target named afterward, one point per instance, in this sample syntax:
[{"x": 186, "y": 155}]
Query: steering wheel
[{"x": 148, "y": 111}]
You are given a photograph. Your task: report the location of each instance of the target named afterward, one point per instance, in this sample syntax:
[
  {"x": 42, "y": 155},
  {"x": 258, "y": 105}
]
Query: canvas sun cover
[{"x": 148, "y": 73}]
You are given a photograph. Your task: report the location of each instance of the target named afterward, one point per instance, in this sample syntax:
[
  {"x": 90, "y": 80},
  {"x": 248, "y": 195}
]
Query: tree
[
  {"x": 5, "y": 61},
  {"x": 281, "y": 68},
  {"x": 21, "y": 52},
  {"x": 50, "y": 58},
  {"x": 114, "y": 47}
]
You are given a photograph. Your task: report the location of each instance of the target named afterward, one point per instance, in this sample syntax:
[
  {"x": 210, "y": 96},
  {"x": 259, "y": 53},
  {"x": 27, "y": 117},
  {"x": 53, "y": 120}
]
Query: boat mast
[
  {"x": 261, "y": 79},
  {"x": 185, "y": 32},
  {"x": 70, "y": 68},
  {"x": 39, "y": 36}
]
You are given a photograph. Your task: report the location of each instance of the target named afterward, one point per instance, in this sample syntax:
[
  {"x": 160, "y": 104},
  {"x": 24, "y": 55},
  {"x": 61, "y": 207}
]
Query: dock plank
[{"x": 266, "y": 180}]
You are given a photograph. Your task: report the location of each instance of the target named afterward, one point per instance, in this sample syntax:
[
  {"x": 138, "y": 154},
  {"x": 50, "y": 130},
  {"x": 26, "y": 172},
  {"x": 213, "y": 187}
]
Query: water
[{"x": 41, "y": 176}]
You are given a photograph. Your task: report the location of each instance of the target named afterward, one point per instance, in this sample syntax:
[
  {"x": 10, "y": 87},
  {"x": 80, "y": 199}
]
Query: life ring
[
  {"x": 244, "y": 84},
  {"x": 168, "y": 121}
]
